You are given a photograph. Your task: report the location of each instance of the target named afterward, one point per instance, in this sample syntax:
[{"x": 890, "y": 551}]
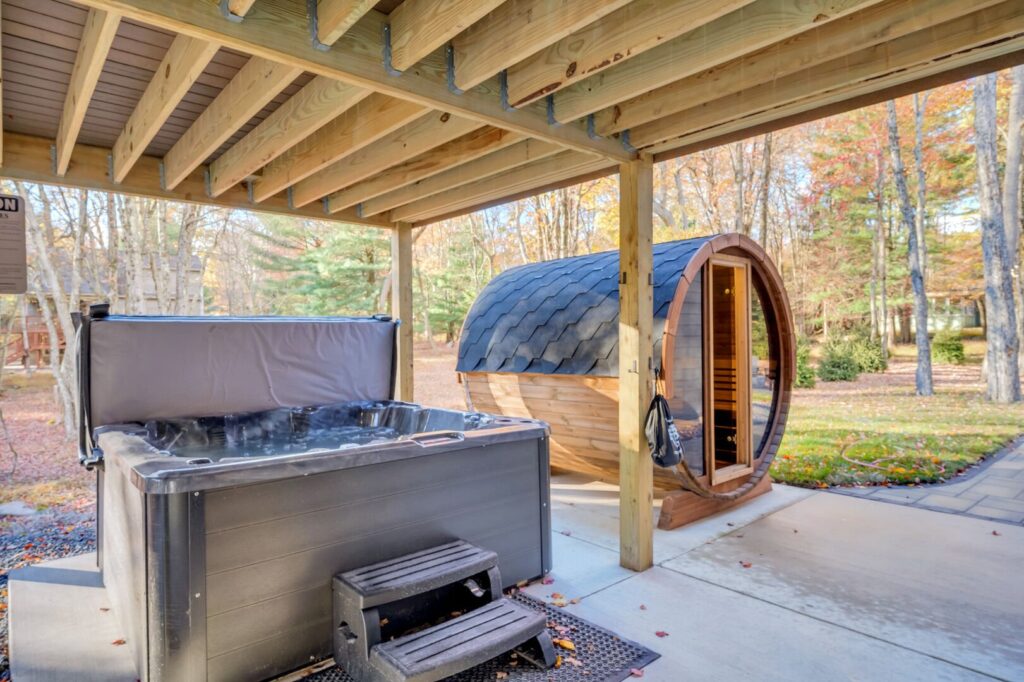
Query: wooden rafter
[
  {"x": 181, "y": 66},
  {"x": 625, "y": 33},
  {"x": 812, "y": 110},
  {"x": 28, "y": 158},
  {"x": 995, "y": 30},
  {"x": 516, "y": 30},
  {"x": 461, "y": 150},
  {"x": 334, "y": 17},
  {"x": 859, "y": 31},
  {"x": 278, "y": 30},
  {"x": 362, "y": 125},
  {"x": 517, "y": 155},
  {"x": 739, "y": 32},
  {"x": 312, "y": 107},
  {"x": 98, "y": 34},
  {"x": 258, "y": 82},
  {"x": 418, "y": 27},
  {"x": 551, "y": 169},
  {"x": 425, "y": 133}
]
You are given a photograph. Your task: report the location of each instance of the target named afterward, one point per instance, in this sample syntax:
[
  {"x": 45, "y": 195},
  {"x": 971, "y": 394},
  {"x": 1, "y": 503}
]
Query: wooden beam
[
  {"x": 418, "y": 27},
  {"x": 516, "y": 30},
  {"x": 990, "y": 31},
  {"x": 258, "y": 82},
  {"x": 636, "y": 374},
  {"x": 517, "y": 155},
  {"x": 401, "y": 308},
  {"x": 335, "y": 17},
  {"x": 315, "y": 105},
  {"x": 181, "y": 66},
  {"x": 279, "y": 30},
  {"x": 97, "y": 35},
  {"x": 562, "y": 165},
  {"x": 830, "y": 41},
  {"x": 805, "y": 112},
  {"x": 739, "y": 32},
  {"x": 461, "y": 150},
  {"x": 625, "y": 33},
  {"x": 28, "y": 158},
  {"x": 425, "y": 133},
  {"x": 524, "y": 194},
  {"x": 363, "y": 124}
]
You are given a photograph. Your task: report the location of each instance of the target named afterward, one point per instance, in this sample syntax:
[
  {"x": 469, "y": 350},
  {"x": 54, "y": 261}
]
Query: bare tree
[
  {"x": 923, "y": 378},
  {"x": 1012, "y": 190},
  {"x": 1003, "y": 377}
]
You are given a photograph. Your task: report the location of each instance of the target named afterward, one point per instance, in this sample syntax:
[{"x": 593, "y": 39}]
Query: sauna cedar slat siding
[
  {"x": 581, "y": 410},
  {"x": 272, "y": 548}
]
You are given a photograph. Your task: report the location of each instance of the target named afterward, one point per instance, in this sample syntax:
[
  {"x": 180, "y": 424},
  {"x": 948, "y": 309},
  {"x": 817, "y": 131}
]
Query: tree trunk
[
  {"x": 1011, "y": 193},
  {"x": 922, "y": 184},
  {"x": 881, "y": 253},
  {"x": 923, "y": 378},
  {"x": 766, "y": 174},
  {"x": 1003, "y": 378}
]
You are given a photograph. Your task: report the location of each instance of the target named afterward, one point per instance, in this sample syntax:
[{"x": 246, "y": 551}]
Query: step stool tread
[
  {"x": 460, "y": 643},
  {"x": 416, "y": 573}
]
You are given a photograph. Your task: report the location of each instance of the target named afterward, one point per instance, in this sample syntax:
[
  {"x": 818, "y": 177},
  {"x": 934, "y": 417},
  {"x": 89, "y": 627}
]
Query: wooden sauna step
[
  {"x": 415, "y": 573},
  {"x": 461, "y": 643}
]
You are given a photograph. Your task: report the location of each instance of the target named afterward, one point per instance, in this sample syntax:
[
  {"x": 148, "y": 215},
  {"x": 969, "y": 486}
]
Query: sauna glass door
[{"x": 728, "y": 343}]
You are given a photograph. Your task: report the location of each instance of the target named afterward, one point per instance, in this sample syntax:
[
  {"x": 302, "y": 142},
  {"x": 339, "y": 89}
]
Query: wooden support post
[
  {"x": 636, "y": 375},
  {"x": 401, "y": 306}
]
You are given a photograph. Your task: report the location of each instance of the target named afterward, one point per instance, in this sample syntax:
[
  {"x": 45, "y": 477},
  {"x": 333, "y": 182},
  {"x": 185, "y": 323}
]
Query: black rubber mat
[{"x": 599, "y": 656}]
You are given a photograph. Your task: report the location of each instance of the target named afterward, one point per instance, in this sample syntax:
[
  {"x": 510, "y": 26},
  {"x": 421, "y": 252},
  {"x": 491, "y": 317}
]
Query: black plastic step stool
[{"x": 431, "y": 614}]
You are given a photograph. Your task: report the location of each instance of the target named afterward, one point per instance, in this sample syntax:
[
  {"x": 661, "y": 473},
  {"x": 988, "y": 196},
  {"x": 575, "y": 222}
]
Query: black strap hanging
[{"x": 662, "y": 437}]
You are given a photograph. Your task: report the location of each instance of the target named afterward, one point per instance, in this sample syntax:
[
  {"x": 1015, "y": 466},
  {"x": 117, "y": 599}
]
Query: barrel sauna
[{"x": 541, "y": 341}]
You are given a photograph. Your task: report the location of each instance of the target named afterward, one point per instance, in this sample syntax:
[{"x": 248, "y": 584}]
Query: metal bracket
[
  {"x": 110, "y": 169},
  {"x": 291, "y": 198},
  {"x": 550, "y": 101},
  {"x": 327, "y": 205},
  {"x": 314, "y": 26},
  {"x": 53, "y": 159},
  {"x": 387, "y": 52},
  {"x": 228, "y": 14},
  {"x": 449, "y": 62},
  {"x": 163, "y": 176},
  {"x": 359, "y": 209},
  {"x": 624, "y": 138},
  {"x": 249, "y": 191},
  {"x": 503, "y": 87},
  {"x": 207, "y": 181},
  {"x": 591, "y": 131}
]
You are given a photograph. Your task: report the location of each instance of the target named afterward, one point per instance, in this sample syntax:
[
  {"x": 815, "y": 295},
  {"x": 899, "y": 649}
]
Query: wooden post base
[{"x": 682, "y": 507}]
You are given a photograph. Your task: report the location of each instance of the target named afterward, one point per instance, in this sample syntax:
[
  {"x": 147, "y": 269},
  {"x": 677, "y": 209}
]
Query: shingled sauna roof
[{"x": 562, "y": 316}]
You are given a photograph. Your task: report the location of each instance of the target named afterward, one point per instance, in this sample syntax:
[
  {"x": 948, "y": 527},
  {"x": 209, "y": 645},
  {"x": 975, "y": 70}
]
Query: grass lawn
[{"x": 877, "y": 431}]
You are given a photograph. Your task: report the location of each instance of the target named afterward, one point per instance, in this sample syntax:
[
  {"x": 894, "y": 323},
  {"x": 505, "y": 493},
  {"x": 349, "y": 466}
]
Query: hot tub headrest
[{"x": 142, "y": 368}]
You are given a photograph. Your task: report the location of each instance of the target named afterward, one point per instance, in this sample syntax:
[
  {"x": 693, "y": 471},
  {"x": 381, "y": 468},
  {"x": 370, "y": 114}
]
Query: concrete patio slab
[
  {"x": 941, "y": 585},
  {"x": 79, "y": 644},
  {"x": 719, "y": 634}
]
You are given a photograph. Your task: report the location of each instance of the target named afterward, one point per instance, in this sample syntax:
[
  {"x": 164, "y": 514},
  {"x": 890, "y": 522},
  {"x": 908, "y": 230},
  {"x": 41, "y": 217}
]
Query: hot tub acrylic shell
[{"x": 222, "y": 570}]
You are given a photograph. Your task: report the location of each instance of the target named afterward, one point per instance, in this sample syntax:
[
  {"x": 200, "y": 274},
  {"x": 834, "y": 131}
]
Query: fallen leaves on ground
[
  {"x": 746, "y": 564},
  {"x": 636, "y": 672},
  {"x": 661, "y": 633},
  {"x": 564, "y": 643},
  {"x": 118, "y": 642}
]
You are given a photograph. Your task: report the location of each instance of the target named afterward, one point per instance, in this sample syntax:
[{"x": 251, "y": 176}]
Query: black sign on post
[{"x": 13, "y": 256}]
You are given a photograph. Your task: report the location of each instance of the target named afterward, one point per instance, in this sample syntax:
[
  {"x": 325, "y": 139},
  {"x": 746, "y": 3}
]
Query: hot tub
[{"x": 231, "y": 491}]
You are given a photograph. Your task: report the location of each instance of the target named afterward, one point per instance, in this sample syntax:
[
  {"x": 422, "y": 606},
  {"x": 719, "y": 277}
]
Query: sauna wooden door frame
[{"x": 744, "y": 446}]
